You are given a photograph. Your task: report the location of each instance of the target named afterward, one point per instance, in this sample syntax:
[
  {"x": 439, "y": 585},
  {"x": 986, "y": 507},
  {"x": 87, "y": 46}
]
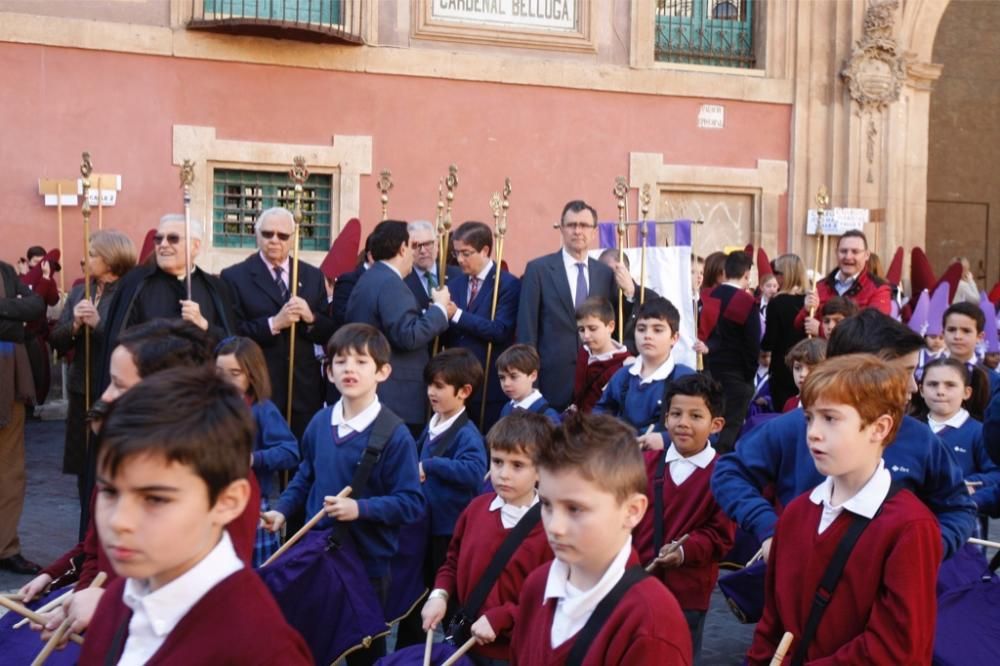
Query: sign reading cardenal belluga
[{"x": 539, "y": 14}]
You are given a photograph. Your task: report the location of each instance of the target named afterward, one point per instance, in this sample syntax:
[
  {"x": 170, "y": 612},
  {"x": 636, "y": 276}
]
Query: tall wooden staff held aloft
[
  {"x": 499, "y": 204},
  {"x": 822, "y": 203},
  {"x": 621, "y": 194},
  {"x": 444, "y": 224},
  {"x": 86, "y": 168},
  {"x": 644, "y": 200},
  {"x": 187, "y": 178},
  {"x": 298, "y": 175},
  {"x": 384, "y": 184}
]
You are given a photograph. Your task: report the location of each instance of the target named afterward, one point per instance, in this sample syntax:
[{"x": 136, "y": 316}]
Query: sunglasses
[
  {"x": 173, "y": 239},
  {"x": 270, "y": 234}
]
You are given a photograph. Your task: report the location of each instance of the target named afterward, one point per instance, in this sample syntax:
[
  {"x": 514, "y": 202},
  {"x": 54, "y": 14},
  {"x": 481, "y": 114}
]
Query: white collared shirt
[
  {"x": 422, "y": 274},
  {"x": 865, "y": 503},
  {"x": 682, "y": 468},
  {"x": 571, "y": 272},
  {"x": 575, "y": 606},
  {"x": 511, "y": 515},
  {"x": 957, "y": 420},
  {"x": 271, "y": 267},
  {"x": 841, "y": 283},
  {"x": 616, "y": 348},
  {"x": 660, "y": 373},
  {"x": 436, "y": 426},
  {"x": 357, "y": 423},
  {"x": 468, "y": 292},
  {"x": 156, "y": 613},
  {"x": 527, "y": 401}
]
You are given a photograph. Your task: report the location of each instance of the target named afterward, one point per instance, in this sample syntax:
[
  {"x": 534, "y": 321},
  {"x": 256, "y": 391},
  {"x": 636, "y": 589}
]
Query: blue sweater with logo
[
  {"x": 540, "y": 406},
  {"x": 966, "y": 445},
  {"x": 454, "y": 477},
  {"x": 640, "y": 405},
  {"x": 776, "y": 453}
]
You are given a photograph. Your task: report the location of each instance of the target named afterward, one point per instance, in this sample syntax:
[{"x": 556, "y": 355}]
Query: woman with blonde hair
[
  {"x": 781, "y": 333},
  {"x": 112, "y": 254}
]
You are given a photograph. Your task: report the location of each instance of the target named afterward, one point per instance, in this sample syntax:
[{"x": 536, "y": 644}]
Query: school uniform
[
  {"x": 479, "y": 533},
  {"x": 777, "y": 453},
  {"x": 593, "y": 372},
  {"x": 963, "y": 435},
  {"x": 646, "y": 627},
  {"x": 331, "y": 448},
  {"x": 533, "y": 402},
  {"x": 275, "y": 449},
  {"x": 217, "y": 612},
  {"x": 639, "y": 401},
  {"x": 883, "y": 608}
]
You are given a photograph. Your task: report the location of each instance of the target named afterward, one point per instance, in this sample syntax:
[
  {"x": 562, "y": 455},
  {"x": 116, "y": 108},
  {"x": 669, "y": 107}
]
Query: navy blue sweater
[
  {"x": 991, "y": 428},
  {"x": 275, "y": 447},
  {"x": 966, "y": 444},
  {"x": 540, "y": 406},
  {"x": 454, "y": 477},
  {"x": 777, "y": 453},
  {"x": 640, "y": 405},
  {"x": 392, "y": 499}
]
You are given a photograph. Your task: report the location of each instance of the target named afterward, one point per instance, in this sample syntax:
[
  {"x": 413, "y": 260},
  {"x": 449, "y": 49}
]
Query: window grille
[{"x": 705, "y": 32}]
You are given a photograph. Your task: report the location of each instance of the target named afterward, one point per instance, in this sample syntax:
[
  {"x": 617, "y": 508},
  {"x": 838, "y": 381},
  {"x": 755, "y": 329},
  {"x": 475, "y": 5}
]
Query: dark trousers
[
  {"x": 369, "y": 655},
  {"x": 410, "y": 630},
  {"x": 696, "y": 624},
  {"x": 738, "y": 393}
]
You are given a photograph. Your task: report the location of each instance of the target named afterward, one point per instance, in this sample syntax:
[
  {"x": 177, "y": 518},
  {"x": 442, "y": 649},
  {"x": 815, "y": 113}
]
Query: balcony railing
[
  {"x": 705, "y": 32},
  {"x": 303, "y": 20}
]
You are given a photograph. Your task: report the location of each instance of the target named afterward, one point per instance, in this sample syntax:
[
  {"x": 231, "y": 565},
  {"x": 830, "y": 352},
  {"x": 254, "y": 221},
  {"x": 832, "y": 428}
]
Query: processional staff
[
  {"x": 443, "y": 220},
  {"x": 499, "y": 204},
  {"x": 298, "y": 175},
  {"x": 621, "y": 194},
  {"x": 822, "y": 240},
  {"x": 644, "y": 200},
  {"x": 187, "y": 179},
  {"x": 86, "y": 168},
  {"x": 384, "y": 184}
]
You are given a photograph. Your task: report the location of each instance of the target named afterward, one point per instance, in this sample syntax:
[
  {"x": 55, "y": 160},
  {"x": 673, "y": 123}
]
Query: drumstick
[
  {"x": 779, "y": 654},
  {"x": 757, "y": 556},
  {"x": 671, "y": 547},
  {"x": 984, "y": 542},
  {"x": 428, "y": 646},
  {"x": 305, "y": 528},
  {"x": 45, "y": 608},
  {"x": 60, "y": 633},
  {"x": 974, "y": 484},
  {"x": 21, "y": 609},
  {"x": 468, "y": 645}
]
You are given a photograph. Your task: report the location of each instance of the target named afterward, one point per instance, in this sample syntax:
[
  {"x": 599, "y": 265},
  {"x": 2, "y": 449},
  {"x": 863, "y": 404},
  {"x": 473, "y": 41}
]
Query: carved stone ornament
[{"x": 876, "y": 70}]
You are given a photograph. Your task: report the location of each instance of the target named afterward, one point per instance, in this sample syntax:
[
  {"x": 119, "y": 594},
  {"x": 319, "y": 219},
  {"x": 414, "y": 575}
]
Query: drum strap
[
  {"x": 510, "y": 544},
  {"x": 382, "y": 428},
  {"x": 658, "y": 504},
  {"x": 599, "y": 618},
  {"x": 832, "y": 575}
]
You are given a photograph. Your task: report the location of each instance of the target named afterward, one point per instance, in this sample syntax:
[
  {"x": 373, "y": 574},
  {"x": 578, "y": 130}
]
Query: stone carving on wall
[{"x": 876, "y": 70}]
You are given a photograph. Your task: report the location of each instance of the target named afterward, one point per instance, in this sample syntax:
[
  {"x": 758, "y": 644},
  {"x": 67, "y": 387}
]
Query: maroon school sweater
[
  {"x": 478, "y": 535},
  {"x": 646, "y": 628},
  {"x": 687, "y": 509},
  {"x": 591, "y": 378},
  {"x": 236, "y": 622},
  {"x": 882, "y": 611}
]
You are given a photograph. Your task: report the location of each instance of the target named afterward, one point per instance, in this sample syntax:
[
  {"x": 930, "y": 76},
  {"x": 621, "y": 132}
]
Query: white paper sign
[
  {"x": 544, "y": 14},
  {"x": 67, "y": 200},
  {"x": 712, "y": 116},
  {"x": 107, "y": 197},
  {"x": 837, "y": 221}
]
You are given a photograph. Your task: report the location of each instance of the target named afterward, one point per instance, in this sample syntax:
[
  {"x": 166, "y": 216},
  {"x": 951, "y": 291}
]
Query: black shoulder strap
[
  {"x": 441, "y": 444},
  {"x": 834, "y": 570},
  {"x": 540, "y": 406},
  {"x": 599, "y": 618},
  {"x": 114, "y": 652},
  {"x": 382, "y": 428},
  {"x": 658, "y": 504},
  {"x": 500, "y": 559}
]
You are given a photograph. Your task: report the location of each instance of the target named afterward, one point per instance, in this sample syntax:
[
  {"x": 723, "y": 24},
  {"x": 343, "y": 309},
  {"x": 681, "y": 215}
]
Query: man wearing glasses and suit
[
  {"x": 265, "y": 309},
  {"x": 551, "y": 289}
]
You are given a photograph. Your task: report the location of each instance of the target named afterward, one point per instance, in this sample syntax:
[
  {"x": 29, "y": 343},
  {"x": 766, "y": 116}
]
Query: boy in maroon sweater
[
  {"x": 169, "y": 481},
  {"x": 680, "y": 476},
  {"x": 882, "y": 611},
  {"x": 481, "y": 529},
  {"x": 592, "y": 487},
  {"x": 600, "y": 356}
]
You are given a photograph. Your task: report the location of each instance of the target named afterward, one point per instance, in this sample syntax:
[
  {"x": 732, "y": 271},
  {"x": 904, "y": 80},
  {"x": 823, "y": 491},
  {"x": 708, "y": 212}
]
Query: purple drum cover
[
  {"x": 745, "y": 546},
  {"x": 325, "y": 595},
  {"x": 407, "y": 570},
  {"x": 21, "y": 646},
  {"x": 967, "y": 566},
  {"x": 414, "y": 656},
  {"x": 968, "y": 626},
  {"x": 744, "y": 592}
]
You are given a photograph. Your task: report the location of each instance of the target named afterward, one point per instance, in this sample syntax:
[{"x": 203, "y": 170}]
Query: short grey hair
[
  {"x": 196, "y": 228},
  {"x": 275, "y": 210},
  {"x": 417, "y": 225}
]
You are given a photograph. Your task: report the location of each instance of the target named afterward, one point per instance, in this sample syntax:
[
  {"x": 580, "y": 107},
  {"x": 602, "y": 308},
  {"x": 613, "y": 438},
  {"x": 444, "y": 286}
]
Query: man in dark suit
[
  {"x": 265, "y": 309},
  {"x": 472, "y": 327},
  {"x": 382, "y": 299},
  {"x": 424, "y": 276},
  {"x": 344, "y": 285},
  {"x": 551, "y": 288}
]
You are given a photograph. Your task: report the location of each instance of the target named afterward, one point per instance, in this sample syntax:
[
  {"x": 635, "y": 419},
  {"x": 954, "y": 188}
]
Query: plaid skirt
[{"x": 267, "y": 542}]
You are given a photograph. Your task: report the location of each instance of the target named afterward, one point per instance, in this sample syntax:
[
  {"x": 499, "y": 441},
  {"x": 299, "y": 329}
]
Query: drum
[
  {"x": 744, "y": 592},
  {"x": 21, "y": 646},
  {"x": 407, "y": 571},
  {"x": 414, "y": 656}
]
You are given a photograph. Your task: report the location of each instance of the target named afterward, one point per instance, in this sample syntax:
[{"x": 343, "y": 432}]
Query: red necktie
[{"x": 473, "y": 289}]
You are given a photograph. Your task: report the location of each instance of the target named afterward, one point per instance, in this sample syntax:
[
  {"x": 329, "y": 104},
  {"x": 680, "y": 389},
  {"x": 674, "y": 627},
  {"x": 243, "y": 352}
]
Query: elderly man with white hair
[
  {"x": 265, "y": 310},
  {"x": 424, "y": 277}
]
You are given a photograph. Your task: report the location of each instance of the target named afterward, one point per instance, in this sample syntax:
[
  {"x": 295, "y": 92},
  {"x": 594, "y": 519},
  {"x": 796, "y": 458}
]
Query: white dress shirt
[
  {"x": 616, "y": 348},
  {"x": 682, "y": 468},
  {"x": 527, "y": 401},
  {"x": 422, "y": 274},
  {"x": 660, "y": 373},
  {"x": 357, "y": 423},
  {"x": 865, "y": 503},
  {"x": 571, "y": 272},
  {"x": 468, "y": 292},
  {"x": 842, "y": 283},
  {"x": 575, "y": 606},
  {"x": 436, "y": 426},
  {"x": 956, "y": 421},
  {"x": 155, "y": 614},
  {"x": 511, "y": 515}
]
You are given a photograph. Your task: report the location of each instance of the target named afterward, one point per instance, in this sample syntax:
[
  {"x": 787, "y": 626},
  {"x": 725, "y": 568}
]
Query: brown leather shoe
[{"x": 19, "y": 565}]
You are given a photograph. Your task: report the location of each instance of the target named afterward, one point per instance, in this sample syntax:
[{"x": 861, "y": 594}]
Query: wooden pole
[
  {"x": 621, "y": 194},
  {"x": 298, "y": 174},
  {"x": 62, "y": 251},
  {"x": 100, "y": 204},
  {"x": 384, "y": 184},
  {"x": 499, "y": 204},
  {"x": 644, "y": 200},
  {"x": 60, "y": 634},
  {"x": 779, "y": 654},
  {"x": 468, "y": 645},
  {"x": 822, "y": 203},
  {"x": 187, "y": 178},
  {"x": 24, "y": 611},
  {"x": 292, "y": 540},
  {"x": 428, "y": 646},
  {"x": 86, "y": 168}
]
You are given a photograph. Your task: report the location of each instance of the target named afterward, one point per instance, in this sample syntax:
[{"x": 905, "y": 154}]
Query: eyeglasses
[
  {"x": 463, "y": 254},
  {"x": 576, "y": 226},
  {"x": 282, "y": 236},
  {"x": 419, "y": 247},
  {"x": 173, "y": 239}
]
